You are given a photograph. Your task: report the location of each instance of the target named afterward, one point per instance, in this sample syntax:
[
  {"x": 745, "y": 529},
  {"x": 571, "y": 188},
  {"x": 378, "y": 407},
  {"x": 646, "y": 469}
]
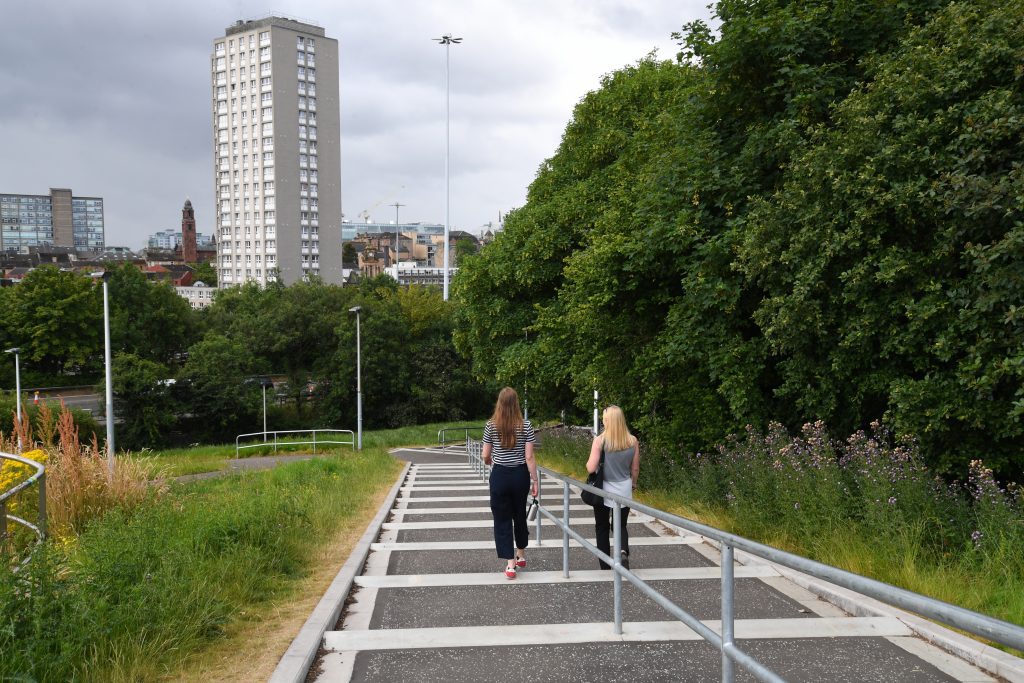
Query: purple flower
[
  {"x": 976, "y": 537},
  {"x": 892, "y": 500}
]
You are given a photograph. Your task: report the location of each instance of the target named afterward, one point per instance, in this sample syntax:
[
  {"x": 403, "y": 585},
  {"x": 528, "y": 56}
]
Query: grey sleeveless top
[{"x": 617, "y": 464}]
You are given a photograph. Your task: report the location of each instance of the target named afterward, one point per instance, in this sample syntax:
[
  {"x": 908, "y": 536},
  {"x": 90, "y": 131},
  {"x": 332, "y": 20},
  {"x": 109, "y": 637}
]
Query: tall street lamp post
[
  {"x": 17, "y": 389},
  {"x": 359, "y": 382},
  {"x": 105, "y": 277},
  {"x": 396, "y": 205},
  {"x": 447, "y": 41},
  {"x": 265, "y": 382}
]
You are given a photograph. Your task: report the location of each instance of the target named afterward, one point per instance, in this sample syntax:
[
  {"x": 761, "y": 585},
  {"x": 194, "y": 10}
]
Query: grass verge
[{"x": 149, "y": 593}]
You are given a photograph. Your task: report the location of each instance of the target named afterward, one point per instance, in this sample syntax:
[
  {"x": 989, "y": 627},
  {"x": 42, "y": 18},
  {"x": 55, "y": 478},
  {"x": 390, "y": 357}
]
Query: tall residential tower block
[{"x": 277, "y": 153}]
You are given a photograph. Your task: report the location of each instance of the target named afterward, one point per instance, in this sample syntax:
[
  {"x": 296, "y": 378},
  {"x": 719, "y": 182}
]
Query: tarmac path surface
[{"x": 432, "y": 604}]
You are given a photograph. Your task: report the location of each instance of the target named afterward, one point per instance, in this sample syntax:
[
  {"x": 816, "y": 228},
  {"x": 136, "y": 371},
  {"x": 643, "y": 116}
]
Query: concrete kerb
[
  {"x": 983, "y": 656},
  {"x": 294, "y": 665}
]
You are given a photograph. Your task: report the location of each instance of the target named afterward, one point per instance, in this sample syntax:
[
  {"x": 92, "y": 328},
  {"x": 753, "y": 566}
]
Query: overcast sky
[{"x": 111, "y": 98}]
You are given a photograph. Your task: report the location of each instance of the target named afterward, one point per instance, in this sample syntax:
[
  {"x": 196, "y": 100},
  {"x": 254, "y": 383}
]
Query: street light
[
  {"x": 17, "y": 389},
  {"x": 359, "y": 382},
  {"x": 447, "y": 41},
  {"x": 265, "y": 382},
  {"x": 105, "y": 277},
  {"x": 396, "y": 205}
]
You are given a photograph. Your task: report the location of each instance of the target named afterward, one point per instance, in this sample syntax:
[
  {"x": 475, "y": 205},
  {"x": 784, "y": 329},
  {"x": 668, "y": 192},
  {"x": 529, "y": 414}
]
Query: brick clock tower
[{"x": 188, "y": 233}]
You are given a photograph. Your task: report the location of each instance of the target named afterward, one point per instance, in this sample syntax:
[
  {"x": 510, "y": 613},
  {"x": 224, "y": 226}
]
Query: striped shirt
[{"x": 508, "y": 457}]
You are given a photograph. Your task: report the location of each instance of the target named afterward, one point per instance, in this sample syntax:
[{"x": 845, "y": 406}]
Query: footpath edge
[{"x": 294, "y": 665}]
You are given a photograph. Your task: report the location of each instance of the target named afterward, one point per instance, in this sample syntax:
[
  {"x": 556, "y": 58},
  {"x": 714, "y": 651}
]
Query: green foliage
[
  {"x": 147, "y": 319},
  {"x": 814, "y": 215},
  {"x": 867, "y": 504},
  {"x": 205, "y": 273},
  {"x": 142, "y": 401},
  {"x": 52, "y": 315},
  {"x": 213, "y": 389},
  {"x": 139, "y": 591},
  {"x": 84, "y": 421},
  {"x": 890, "y": 259}
]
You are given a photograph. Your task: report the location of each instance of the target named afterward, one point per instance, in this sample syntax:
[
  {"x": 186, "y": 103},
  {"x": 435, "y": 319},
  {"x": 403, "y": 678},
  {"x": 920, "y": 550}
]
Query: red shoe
[
  {"x": 510, "y": 572},
  {"x": 521, "y": 562}
]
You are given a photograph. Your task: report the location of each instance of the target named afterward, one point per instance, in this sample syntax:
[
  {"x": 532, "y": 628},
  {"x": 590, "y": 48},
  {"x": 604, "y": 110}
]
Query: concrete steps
[{"x": 432, "y": 604}]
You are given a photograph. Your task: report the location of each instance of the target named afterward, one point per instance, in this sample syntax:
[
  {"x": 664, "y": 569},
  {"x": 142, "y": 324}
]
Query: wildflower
[
  {"x": 796, "y": 506},
  {"x": 892, "y": 500},
  {"x": 976, "y": 537}
]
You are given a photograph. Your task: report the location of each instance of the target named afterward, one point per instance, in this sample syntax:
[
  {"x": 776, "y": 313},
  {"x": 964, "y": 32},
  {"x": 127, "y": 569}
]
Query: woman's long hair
[
  {"x": 507, "y": 418},
  {"x": 616, "y": 433}
]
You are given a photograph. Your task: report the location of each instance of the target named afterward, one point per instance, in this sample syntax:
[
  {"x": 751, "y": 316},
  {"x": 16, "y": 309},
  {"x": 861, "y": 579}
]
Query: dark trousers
[
  {"x": 603, "y": 522},
  {"x": 509, "y": 488}
]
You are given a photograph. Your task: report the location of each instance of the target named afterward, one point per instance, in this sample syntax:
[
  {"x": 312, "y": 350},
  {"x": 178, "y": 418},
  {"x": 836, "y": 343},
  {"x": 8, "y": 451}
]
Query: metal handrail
[
  {"x": 351, "y": 442},
  {"x": 1003, "y": 632},
  {"x": 40, "y": 478},
  {"x": 442, "y": 437}
]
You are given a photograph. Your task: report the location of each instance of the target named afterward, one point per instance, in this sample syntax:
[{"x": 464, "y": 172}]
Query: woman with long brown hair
[
  {"x": 621, "y": 468},
  {"x": 508, "y": 445}
]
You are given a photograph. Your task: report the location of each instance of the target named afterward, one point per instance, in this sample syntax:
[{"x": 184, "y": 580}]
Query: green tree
[
  {"x": 218, "y": 402},
  {"x": 147, "y": 319},
  {"x": 143, "y": 402},
  {"x": 56, "y": 317},
  {"x": 891, "y": 258},
  {"x": 205, "y": 273}
]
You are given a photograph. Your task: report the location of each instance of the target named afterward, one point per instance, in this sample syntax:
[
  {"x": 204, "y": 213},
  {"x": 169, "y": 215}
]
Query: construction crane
[{"x": 365, "y": 213}]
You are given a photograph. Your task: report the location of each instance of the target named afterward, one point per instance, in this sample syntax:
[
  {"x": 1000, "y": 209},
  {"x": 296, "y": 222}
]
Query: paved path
[{"x": 432, "y": 604}]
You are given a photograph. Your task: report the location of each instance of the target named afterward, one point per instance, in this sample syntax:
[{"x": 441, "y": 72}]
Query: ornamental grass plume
[{"x": 80, "y": 486}]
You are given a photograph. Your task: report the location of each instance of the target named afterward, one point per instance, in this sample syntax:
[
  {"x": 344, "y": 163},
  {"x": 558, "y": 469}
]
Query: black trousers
[
  {"x": 603, "y": 522},
  {"x": 509, "y": 487}
]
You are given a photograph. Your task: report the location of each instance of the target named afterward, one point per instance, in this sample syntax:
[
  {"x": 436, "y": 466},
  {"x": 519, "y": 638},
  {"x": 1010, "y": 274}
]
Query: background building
[
  {"x": 277, "y": 152},
  {"x": 57, "y": 219},
  {"x": 171, "y": 239}
]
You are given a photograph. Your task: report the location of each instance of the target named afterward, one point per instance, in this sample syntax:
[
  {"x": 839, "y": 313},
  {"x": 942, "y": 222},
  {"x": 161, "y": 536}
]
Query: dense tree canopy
[{"x": 812, "y": 215}]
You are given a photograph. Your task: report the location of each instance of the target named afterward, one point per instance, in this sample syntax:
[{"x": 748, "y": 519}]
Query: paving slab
[
  {"x": 452, "y": 502},
  {"x": 568, "y": 603},
  {"x": 866, "y": 660},
  {"x": 454, "y": 533},
  {"x": 542, "y": 558}
]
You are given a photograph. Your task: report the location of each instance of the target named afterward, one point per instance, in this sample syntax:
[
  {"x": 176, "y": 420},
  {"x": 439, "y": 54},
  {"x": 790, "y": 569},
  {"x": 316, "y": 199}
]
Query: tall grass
[
  {"x": 142, "y": 588},
  {"x": 867, "y": 504}
]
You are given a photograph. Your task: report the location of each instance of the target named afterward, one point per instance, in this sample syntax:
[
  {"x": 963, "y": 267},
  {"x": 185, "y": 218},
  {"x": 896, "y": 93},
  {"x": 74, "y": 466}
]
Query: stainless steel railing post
[
  {"x": 728, "y": 641},
  {"x": 565, "y": 530},
  {"x": 617, "y": 565},
  {"x": 539, "y": 517},
  {"x": 42, "y": 504}
]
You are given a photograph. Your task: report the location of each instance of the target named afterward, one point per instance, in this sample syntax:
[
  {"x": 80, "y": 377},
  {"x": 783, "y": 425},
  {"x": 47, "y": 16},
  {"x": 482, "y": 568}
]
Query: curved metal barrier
[
  {"x": 442, "y": 436},
  {"x": 981, "y": 625},
  {"x": 39, "y": 477},
  {"x": 330, "y": 440}
]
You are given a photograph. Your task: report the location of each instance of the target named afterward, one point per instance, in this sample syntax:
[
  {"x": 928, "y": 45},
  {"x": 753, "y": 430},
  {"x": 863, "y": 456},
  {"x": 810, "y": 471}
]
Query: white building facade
[{"x": 277, "y": 153}]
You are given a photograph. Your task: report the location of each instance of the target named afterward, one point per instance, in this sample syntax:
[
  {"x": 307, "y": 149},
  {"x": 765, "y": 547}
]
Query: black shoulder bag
[{"x": 595, "y": 479}]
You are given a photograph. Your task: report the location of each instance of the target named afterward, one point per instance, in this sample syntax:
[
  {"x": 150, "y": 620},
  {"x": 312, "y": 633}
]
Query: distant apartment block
[
  {"x": 171, "y": 239},
  {"x": 277, "y": 153},
  {"x": 56, "y": 219},
  {"x": 198, "y": 294}
]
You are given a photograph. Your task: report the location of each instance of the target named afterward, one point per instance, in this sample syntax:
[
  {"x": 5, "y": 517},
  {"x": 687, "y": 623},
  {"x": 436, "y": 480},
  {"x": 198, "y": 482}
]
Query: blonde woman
[
  {"x": 621, "y": 468},
  {"x": 508, "y": 444}
]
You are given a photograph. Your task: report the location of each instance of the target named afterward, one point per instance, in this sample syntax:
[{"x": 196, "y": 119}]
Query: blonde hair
[
  {"x": 507, "y": 418},
  {"x": 616, "y": 434}
]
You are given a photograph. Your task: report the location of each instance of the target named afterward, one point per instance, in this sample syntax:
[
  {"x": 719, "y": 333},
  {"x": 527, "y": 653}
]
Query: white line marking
[
  {"x": 479, "y": 523},
  {"x": 545, "y": 634},
  {"x": 479, "y": 510},
  {"x": 554, "y": 542},
  {"x": 526, "y": 576}
]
